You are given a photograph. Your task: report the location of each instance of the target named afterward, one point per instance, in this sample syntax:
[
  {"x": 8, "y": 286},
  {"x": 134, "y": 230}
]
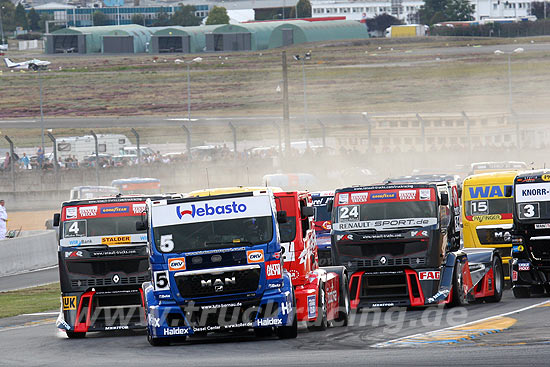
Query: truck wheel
[
  {"x": 289, "y": 332},
  {"x": 498, "y": 279},
  {"x": 263, "y": 332},
  {"x": 343, "y": 295},
  {"x": 157, "y": 342},
  {"x": 344, "y": 305},
  {"x": 521, "y": 292},
  {"x": 75, "y": 335},
  {"x": 458, "y": 294},
  {"x": 321, "y": 322}
]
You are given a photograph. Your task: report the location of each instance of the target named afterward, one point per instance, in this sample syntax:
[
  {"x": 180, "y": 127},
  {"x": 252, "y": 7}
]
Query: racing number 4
[{"x": 74, "y": 228}]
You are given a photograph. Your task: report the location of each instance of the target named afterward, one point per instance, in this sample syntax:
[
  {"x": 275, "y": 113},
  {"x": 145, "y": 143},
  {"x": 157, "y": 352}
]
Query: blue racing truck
[
  {"x": 322, "y": 225},
  {"x": 216, "y": 266}
]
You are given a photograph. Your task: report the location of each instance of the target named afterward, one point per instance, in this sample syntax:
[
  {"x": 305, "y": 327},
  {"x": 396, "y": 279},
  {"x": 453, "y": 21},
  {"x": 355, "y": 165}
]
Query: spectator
[
  {"x": 7, "y": 162},
  {"x": 3, "y": 220},
  {"x": 40, "y": 156},
  {"x": 25, "y": 162}
]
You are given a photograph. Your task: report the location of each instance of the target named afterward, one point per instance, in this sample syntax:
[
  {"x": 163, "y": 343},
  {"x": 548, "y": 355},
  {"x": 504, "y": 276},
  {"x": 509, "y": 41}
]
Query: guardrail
[{"x": 32, "y": 251}]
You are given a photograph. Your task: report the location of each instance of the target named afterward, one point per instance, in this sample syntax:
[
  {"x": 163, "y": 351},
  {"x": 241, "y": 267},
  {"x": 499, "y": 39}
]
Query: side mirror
[
  {"x": 459, "y": 192},
  {"x": 329, "y": 205},
  {"x": 56, "y": 219},
  {"x": 281, "y": 217},
  {"x": 508, "y": 191},
  {"x": 308, "y": 211},
  {"x": 444, "y": 199},
  {"x": 141, "y": 226}
]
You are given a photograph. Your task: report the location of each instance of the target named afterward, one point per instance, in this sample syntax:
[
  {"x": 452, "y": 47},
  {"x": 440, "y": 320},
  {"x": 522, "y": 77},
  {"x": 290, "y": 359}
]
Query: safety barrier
[{"x": 34, "y": 250}]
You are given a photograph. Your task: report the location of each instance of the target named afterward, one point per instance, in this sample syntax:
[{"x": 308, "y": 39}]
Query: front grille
[
  {"x": 492, "y": 236},
  {"x": 374, "y": 286},
  {"x": 96, "y": 282},
  {"x": 228, "y": 282},
  {"x": 235, "y": 313},
  {"x": 365, "y": 263},
  {"x": 103, "y": 267}
]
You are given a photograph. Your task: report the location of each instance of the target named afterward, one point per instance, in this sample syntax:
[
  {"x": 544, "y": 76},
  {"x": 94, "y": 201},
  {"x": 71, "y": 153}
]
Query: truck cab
[
  {"x": 103, "y": 262},
  {"x": 216, "y": 266},
  {"x": 321, "y": 292},
  {"x": 531, "y": 233},
  {"x": 398, "y": 241},
  {"x": 322, "y": 225},
  {"x": 487, "y": 215}
]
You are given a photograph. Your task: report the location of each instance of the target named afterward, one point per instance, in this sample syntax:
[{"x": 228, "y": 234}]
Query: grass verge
[{"x": 36, "y": 299}]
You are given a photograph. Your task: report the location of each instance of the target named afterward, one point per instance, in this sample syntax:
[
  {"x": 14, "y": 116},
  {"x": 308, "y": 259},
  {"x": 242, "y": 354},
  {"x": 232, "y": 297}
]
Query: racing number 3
[{"x": 529, "y": 211}]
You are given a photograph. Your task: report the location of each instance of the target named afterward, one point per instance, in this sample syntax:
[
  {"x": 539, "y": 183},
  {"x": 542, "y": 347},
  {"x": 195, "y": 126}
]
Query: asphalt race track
[
  {"x": 29, "y": 279},
  {"x": 503, "y": 337}
]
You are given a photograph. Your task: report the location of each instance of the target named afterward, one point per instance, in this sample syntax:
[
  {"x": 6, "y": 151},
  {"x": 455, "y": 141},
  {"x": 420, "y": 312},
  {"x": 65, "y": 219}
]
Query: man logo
[
  {"x": 176, "y": 264},
  {"x": 255, "y": 256},
  {"x": 218, "y": 283}
]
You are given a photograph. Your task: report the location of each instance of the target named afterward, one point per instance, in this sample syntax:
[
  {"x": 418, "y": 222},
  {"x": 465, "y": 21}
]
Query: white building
[
  {"x": 406, "y": 10},
  {"x": 501, "y": 9}
]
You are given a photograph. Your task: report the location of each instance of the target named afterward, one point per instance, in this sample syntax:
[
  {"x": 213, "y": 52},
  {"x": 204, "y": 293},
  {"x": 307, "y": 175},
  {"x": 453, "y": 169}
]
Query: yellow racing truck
[{"x": 487, "y": 214}]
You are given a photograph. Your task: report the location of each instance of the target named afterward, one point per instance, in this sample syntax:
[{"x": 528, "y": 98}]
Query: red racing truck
[
  {"x": 103, "y": 262},
  {"x": 322, "y": 296},
  {"x": 399, "y": 244}
]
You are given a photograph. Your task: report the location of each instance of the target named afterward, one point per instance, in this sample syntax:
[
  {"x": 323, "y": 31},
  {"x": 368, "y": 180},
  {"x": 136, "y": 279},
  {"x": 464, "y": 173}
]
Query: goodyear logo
[
  {"x": 388, "y": 195},
  {"x": 115, "y": 209},
  {"x": 69, "y": 303},
  {"x": 116, "y": 240},
  {"x": 481, "y": 218},
  {"x": 485, "y": 192}
]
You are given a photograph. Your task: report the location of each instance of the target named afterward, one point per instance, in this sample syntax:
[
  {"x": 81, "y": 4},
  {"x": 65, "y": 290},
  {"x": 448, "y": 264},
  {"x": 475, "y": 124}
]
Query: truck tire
[
  {"x": 521, "y": 292},
  {"x": 76, "y": 335},
  {"x": 157, "y": 342},
  {"x": 343, "y": 295},
  {"x": 263, "y": 332},
  {"x": 498, "y": 277},
  {"x": 321, "y": 323},
  {"x": 458, "y": 294},
  {"x": 289, "y": 332}
]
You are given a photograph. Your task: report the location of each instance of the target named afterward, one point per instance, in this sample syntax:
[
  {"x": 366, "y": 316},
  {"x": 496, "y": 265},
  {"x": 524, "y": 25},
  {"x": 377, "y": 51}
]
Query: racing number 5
[{"x": 161, "y": 280}]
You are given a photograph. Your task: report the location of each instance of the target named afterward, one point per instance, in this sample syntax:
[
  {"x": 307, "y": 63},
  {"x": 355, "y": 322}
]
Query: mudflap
[
  {"x": 307, "y": 295},
  {"x": 443, "y": 294},
  {"x": 480, "y": 261}
]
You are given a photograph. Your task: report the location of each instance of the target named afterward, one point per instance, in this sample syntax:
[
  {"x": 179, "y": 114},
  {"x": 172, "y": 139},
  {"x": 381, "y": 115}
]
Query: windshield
[
  {"x": 288, "y": 230},
  {"x": 533, "y": 201},
  {"x": 92, "y": 227},
  {"x": 497, "y": 208},
  {"x": 383, "y": 209},
  {"x": 214, "y": 234}
]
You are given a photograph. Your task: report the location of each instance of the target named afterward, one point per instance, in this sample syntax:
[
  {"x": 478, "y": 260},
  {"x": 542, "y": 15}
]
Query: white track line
[{"x": 387, "y": 343}]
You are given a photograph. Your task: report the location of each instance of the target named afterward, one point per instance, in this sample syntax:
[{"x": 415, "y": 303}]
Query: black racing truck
[
  {"x": 103, "y": 261},
  {"x": 399, "y": 243},
  {"x": 531, "y": 233}
]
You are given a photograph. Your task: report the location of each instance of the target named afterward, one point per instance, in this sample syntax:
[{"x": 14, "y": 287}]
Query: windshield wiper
[{"x": 230, "y": 243}]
